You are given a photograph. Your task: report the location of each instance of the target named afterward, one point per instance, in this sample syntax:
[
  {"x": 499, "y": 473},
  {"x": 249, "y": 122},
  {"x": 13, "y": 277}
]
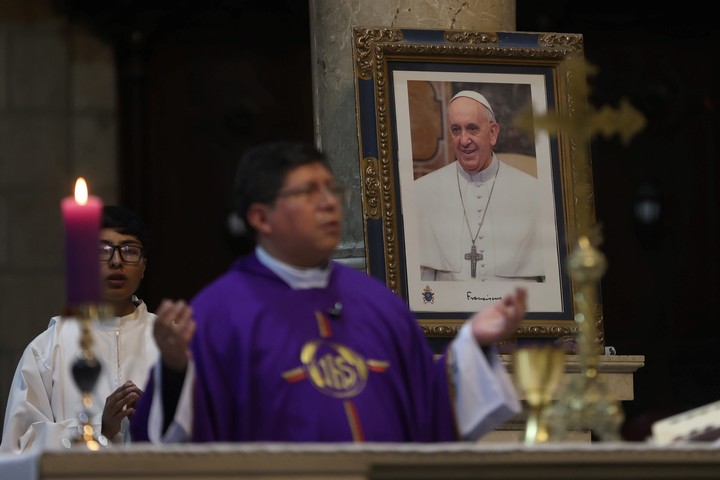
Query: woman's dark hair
[{"x": 126, "y": 222}]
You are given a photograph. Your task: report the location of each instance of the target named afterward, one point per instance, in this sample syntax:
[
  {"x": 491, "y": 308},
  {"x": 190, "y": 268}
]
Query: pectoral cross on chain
[{"x": 474, "y": 257}]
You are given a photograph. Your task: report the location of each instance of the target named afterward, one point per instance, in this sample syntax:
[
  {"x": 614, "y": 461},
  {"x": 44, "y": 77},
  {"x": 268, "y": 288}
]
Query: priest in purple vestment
[{"x": 289, "y": 345}]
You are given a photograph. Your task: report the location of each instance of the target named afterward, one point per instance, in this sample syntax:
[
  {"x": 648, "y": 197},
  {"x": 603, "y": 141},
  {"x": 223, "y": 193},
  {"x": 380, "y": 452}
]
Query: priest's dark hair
[
  {"x": 126, "y": 222},
  {"x": 261, "y": 173}
]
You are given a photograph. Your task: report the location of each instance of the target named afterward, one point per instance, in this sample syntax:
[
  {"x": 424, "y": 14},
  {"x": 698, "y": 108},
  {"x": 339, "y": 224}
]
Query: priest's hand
[
  {"x": 173, "y": 330},
  {"x": 118, "y": 405},
  {"x": 499, "y": 320}
]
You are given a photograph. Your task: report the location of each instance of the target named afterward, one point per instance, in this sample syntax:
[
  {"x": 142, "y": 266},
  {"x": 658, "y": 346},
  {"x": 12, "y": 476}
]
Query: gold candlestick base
[
  {"x": 85, "y": 372},
  {"x": 585, "y": 405}
]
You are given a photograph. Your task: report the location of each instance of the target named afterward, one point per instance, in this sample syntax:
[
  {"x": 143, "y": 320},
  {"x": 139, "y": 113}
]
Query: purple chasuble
[{"x": 272, "y": 365}]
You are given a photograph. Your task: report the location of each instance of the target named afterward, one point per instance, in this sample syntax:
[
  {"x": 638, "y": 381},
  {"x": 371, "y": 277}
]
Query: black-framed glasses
[
  {"x": 313, "y": 192},
  {"x": 128, "y": 253}
]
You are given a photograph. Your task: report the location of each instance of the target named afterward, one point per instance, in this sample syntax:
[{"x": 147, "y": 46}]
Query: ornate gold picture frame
[{"x": 403, "y": 82}]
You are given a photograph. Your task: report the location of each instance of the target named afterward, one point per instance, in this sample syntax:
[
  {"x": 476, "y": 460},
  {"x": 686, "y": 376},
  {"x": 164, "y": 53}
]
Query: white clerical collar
[
  {"x": 297, "y": 278},
  {"x": 483, "y": 176}
]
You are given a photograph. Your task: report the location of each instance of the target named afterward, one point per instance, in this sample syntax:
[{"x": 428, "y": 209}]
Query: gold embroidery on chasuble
[{"x": 335, "y": 370}]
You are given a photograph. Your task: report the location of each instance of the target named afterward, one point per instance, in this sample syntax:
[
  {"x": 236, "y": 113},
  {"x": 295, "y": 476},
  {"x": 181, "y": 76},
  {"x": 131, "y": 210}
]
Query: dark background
[
  {"x": 200, "y": 80},
  {"x": 662, "y": 281}
]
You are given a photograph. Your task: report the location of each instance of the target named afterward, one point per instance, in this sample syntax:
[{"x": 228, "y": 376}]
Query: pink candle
[{"x": 81, "y": 219}]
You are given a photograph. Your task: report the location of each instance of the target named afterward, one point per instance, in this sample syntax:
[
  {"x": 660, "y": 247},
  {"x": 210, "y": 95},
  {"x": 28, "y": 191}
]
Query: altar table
[{"x": 446, "y": 461}]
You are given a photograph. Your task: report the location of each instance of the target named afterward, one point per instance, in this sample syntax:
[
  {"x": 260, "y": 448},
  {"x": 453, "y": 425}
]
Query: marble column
[{"x": 331, "y": 23}]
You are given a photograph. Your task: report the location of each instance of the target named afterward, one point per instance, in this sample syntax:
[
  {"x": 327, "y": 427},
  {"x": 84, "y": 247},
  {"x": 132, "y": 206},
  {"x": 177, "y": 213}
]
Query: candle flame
[{"x": 81, "y": 191}]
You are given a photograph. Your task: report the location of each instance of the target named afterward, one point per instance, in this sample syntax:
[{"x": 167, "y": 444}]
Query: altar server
[{"x": 44, "y": 402}]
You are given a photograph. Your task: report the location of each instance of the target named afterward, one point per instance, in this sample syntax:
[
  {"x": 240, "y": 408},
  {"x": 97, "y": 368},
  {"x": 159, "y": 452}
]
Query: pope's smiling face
[{"x": 473, "y": 132}]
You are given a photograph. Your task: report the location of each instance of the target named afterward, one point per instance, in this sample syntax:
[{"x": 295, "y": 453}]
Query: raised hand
[
  {"x": 174, "y": 328},
  {"x": 499, "y": 320}
]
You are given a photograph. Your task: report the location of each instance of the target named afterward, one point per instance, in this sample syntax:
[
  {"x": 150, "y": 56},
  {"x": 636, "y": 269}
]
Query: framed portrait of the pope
[{"x": 464, "y": 198}]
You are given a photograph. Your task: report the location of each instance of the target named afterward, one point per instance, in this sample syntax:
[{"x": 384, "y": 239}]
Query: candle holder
[
  {"x": 85, "y": 372},
  {"x": 586, "y": 404}
]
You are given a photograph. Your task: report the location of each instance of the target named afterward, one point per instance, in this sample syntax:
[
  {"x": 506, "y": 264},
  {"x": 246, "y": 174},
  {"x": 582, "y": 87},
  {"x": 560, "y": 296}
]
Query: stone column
[{"x": 331, "y": 23}]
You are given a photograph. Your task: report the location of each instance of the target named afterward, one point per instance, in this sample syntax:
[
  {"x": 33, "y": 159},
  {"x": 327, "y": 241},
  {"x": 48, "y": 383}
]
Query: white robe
[
  {"x": 44, "y": 402},
  {"x": 510, "y": 238}
]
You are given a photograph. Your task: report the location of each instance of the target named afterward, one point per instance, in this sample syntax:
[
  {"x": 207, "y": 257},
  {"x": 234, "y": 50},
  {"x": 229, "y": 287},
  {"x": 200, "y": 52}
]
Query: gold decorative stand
[
  {"x": 585, "y": 404},
  {"x": 85, "y": 372}
]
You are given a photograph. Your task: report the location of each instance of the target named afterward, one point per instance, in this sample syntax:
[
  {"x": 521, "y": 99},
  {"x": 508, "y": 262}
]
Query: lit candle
[{"x": 81, "y": 219}]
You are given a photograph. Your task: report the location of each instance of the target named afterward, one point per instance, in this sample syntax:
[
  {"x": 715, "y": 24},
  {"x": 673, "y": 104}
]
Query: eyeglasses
[
  {"x": 128, "y": 253},
  {"x": 311, "y": 193}
]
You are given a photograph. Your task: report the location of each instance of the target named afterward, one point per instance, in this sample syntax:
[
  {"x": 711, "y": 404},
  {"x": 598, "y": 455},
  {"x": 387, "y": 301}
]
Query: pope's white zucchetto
[{"x": 475, "y": 96}]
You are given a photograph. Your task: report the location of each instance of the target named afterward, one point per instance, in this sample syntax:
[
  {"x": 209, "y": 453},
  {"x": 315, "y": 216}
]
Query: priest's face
[
  {"x": 473, "y": 133},
  {"x": 122, "y": 272},
  {"x": 303, "y": 225}
]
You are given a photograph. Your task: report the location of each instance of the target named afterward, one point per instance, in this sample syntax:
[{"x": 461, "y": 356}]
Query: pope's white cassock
[{"x": 498, "y": 214}]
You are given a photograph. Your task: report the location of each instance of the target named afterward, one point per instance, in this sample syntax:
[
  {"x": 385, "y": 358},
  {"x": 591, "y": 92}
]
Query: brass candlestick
[
  {"x": 538, "y": 370},
  {"x": 85, "y": 372},
  {"x": 585, "y": 405}
]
